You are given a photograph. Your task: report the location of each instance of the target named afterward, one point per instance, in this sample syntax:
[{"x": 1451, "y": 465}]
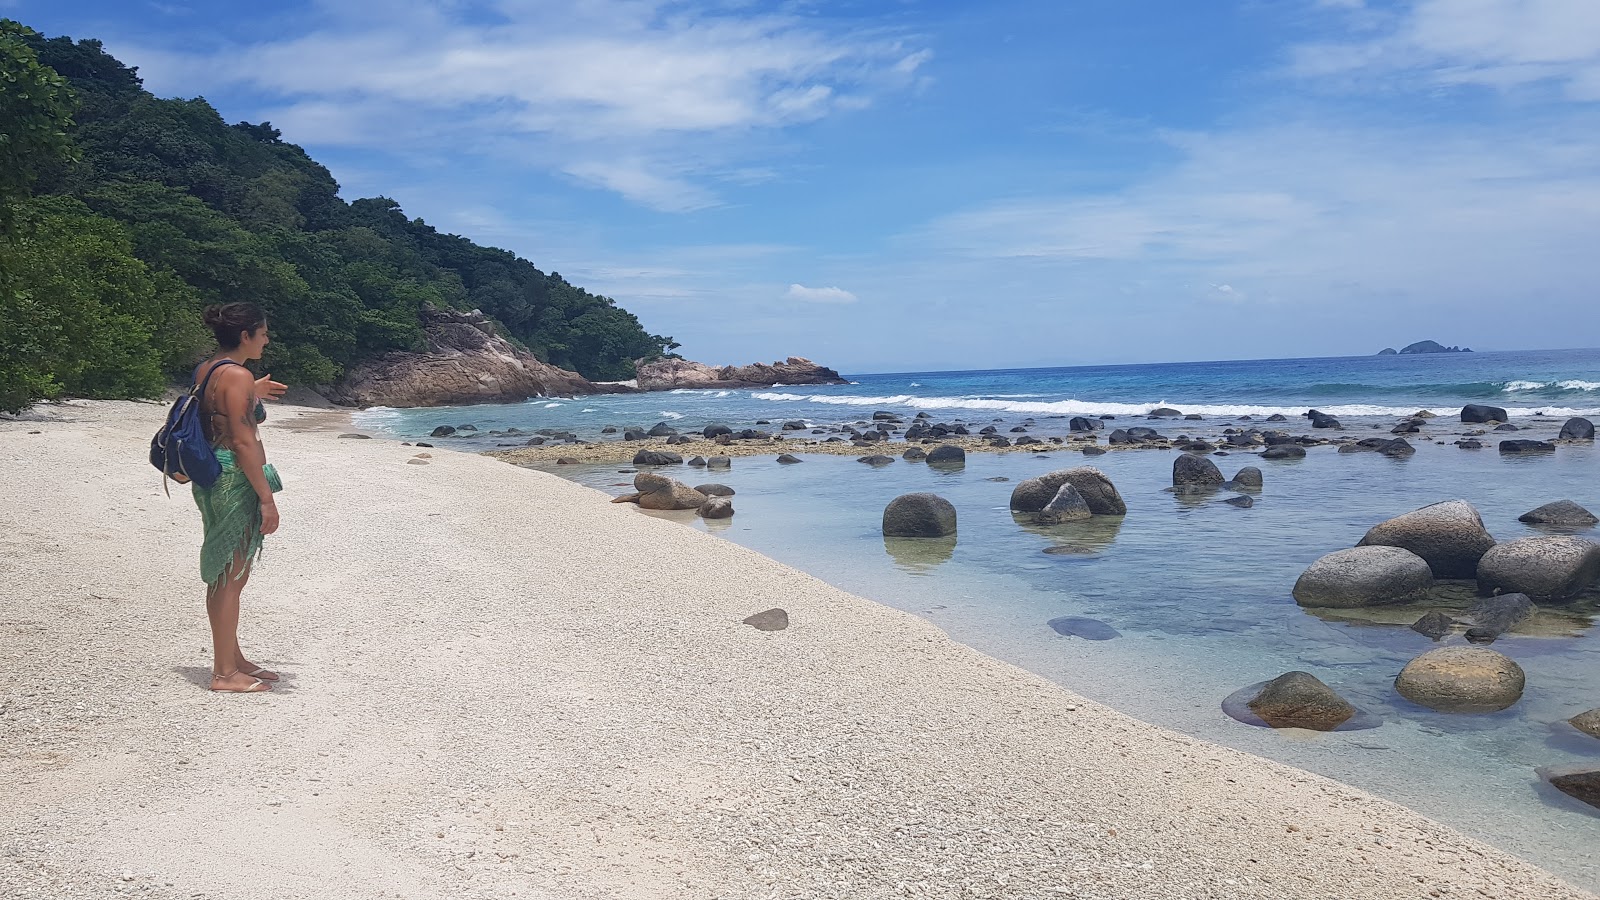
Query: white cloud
[
  {"x": 1495, "y": 43},
  {"x": 646, "y": 99},
  {"x": 803, "y": 294}
]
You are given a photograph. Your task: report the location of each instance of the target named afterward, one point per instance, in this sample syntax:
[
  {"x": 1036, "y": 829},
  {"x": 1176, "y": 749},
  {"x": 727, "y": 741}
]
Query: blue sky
[{"x": 894, "y": 186}]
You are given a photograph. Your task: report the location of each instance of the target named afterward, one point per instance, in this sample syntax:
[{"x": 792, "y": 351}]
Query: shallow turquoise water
[{"x": 1200, "y": 592}]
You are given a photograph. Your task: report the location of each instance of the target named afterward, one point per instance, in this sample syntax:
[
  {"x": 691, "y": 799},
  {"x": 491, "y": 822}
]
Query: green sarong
[{"x": 231, "y": 513}]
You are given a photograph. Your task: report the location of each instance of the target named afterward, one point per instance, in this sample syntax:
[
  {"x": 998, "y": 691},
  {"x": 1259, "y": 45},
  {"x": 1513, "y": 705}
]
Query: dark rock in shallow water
[
  {"x": 1470, "y": 444},
  {"x": 1576, "y": 429},
  {"x": 1033, "y": 494},
  {"x": 1506, "y": 427},
  {"x": 442, "y": 431},
  {"x": 1526, "y": 446},
  {"x": 1320, "y": 419},
  {"x": 1581, "y": 781},
  {"x": 714, "y": 490},
  {"x": 1363, "y": 576},
  {"x": 1562, "y": 512},
  {"x": 1434, "y": 624},
  {"x": 947, "y": 455},
  {"x": 914, "y": 454},
  {"x": 1277, "y": 417},
  {"x": 1093, "y": 451},
  {"x": 1462, "y": 679},
  {"x": 1478, "y": 414},
  {"x": 919, "y": 515},
  {"x": 1243, "y": 501},
  {"x": 1284, "y": 451},
  {"x": 1195, "y": 470},
  {"x": 1066, "y": 506},
  {"x": 719, "y": 462},
  {"x": 1079, "y": 423},
  {"x": 1301, "y": 700},
  {"x": 566, "y": 461},
  {"x": 1552, "y": 569},
  {"x": 714, "y": 430},
  {"x": 1450, "y": 536},
  {"x": 998, "y": 478},
  {"x": 876, "y": 460},
  {"x": 1166, "y": 412},
  {"x": 661, "y": 429},
  {"x": 787, "y": 459},
  {"x": 1088, "y": 629},
  {"x": 1494, "y": 616},
  {"x": 775, "y": 619},
  {"x": 1248, "y": 479},
  {"x": 716, "y": 508},
  {"x": 698, "y": 462}
]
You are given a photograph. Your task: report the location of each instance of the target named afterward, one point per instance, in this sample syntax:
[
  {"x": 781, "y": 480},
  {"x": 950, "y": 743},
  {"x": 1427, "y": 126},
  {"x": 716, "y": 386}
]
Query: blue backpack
[{"x": 180, "y": 449}]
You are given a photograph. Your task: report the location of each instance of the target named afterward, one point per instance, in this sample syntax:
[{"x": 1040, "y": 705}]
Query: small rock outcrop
[
  {"x": 775, "y": 619},
  {"x": 1494, "y": 616},
  {"x": 660, "y": 492},
  {"x": 1462, "y": 679},
  {"x": 1363, "y": 576},
  {"x": 1432, "y": 347},
  {"x": 1248, "y": 479},
  {"x": 1066, "y": 506},
  {"x": 714, "y": 490},
  {"x": 1284, "y": 451},
  {"x": 1564, "y": 513},
  {"x": 1526, "y": 446},
  {"x": 656, "y": 458},
  {"x": 947, "y": 455},
  {"x": 1587, "y": 722},
  {"x": 919, "y": 515},
  {"x": 1300, "y": 700},
  {"x": 1433, "y": 624},
  {"x": 465, "y": 361},
  {"x": 716, "y": 508},
  {"x": 1580, "y": 782},
  {"x": 1551, "y": 569},
  {"x": 1034, "y": 494},
  {"x": 672, "y": 374},
  {"x": 1449, "y": 535}
]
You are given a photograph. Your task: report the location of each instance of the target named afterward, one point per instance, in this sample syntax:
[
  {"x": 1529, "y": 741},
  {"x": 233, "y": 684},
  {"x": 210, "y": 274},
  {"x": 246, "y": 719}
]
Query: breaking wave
[
  {"x": 1094, "y": 408},
  {"x": 1570, "y": 385}
]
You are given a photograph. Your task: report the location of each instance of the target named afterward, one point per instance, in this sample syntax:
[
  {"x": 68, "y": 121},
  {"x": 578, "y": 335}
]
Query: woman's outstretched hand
[{"x": 267, "y": 389}]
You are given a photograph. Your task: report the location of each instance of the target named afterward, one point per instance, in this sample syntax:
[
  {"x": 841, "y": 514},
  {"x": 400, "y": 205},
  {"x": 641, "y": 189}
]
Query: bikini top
[{"x": 260, "y": 411}]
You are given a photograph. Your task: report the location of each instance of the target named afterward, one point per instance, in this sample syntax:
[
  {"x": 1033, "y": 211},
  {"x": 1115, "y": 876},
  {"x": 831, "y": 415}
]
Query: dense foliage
[{"x": 123, "y": 214}]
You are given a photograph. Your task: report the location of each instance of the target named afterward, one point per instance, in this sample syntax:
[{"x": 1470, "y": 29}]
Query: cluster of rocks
[{"x": 652, "y": 491}]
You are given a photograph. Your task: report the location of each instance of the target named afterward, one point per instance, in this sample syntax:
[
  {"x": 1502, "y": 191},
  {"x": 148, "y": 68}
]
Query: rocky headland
[
  {"x": 1423, "y": 347},
  {"x": 673, "y": 374}
]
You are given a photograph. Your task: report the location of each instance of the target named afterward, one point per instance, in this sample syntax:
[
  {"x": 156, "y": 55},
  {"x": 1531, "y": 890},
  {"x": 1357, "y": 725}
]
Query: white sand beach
[{"x": 497, "y": 684}]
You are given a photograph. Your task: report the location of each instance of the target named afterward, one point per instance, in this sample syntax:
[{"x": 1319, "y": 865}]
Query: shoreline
[{"x": 571, "y": 721}]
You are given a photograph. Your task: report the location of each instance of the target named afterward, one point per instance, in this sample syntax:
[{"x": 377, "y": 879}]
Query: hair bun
[{"x": 212, "y": 316}]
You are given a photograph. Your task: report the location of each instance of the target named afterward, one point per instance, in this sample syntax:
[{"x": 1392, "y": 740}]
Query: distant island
[{"x": 1423, "y": 347}]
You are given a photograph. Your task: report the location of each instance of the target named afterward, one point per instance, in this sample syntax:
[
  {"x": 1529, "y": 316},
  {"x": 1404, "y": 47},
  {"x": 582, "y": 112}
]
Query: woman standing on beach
[{"x": 239, "y": 510}]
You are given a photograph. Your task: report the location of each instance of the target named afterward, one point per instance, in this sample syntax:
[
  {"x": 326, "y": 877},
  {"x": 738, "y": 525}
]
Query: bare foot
[
  {"x": 254, "y": 671},
  {"x": 237, "y": 682}
]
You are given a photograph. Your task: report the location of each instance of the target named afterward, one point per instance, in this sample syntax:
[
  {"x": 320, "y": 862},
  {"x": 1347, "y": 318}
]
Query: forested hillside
[{"x": 123, "y": 214}]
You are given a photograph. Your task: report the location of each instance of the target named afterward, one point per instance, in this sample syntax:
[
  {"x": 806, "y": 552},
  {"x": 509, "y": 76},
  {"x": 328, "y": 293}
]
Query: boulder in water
[
  {"x": 875, "y": 460},
  {"x": 1449, "y": 535},
  {"x": 1363, "y": 576},
  {"x": 656, "y": 458},
  {"x": 1248, "y": 479},
  {"x": 1551, "y": 569},
  {"x": 1478, "y": 414},
  {"x": 1034, "y": 494},
  {"x": 1581, "y": 781},
  {"x": 1495, "y": 616},
  {"x": 714, "y": 490},
  {"x": 1526, "y": 446},
  {"x": 1300, "y": 700},
  {"x": 919, "y": 515},
  {"x": 1195, "y": 471},
  {"x": 1462, "y": 680},
  {"x": 1243, "y": 501},
  {"x": 1284, "y": 451},
  {"x": 1576, "y": 429},
  {"x": 716, "y": 508},
  {"x": 1433, "y": 624},
  {"x": 1587, "y": 722},
  {"x": 787, "y": 459},
  {"x": 1564, "y": 513},
  {"x": 1066, "y": 506},
  {"x": 914, "y": 454},
  {"x": 947, "y": 455}
]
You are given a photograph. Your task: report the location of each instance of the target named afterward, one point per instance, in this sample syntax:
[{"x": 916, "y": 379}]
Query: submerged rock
[
  {"x": 1550, "y": 569},
  {"x": 1561, "y": 512},
  {"x": 1581, "y": 781},
  {"x": 1526, "y": 446},
  {"x": 1450, "y": 536},
  {"x": 1088, "y": 629},
  {"x": 1363, "y": 576},
  {"x": 877, "y": 459},
  {"x": 716, "y": 508},
  {"x": 1495, "y": 616},
  {"x": 1284, "y": 451},
  {"x": 1433, "y": 624},
  {"x": 1196, "y": 471},
  {"x": 1243, "y": 501},
  {"x": 1462, "y": 679},
  {"x": 1300, "y": 700},
  {"x": 788, "y": 459},
  {"x": 1033, "y": 494},
  {"x": 919, "y": 515},
  {"x": 714, "y": 490}
]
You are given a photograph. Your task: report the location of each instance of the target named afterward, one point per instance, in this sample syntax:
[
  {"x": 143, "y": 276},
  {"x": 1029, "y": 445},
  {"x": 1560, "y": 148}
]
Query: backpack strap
[{"x": 197, "y": 394}]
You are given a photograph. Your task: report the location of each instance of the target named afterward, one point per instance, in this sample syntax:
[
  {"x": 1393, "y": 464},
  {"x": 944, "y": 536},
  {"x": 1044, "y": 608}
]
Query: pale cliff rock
[
  {"x": 465, "y": 362},
  {"x": 669, "y": 374}
]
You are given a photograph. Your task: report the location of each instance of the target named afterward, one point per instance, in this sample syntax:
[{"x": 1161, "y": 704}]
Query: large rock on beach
[
  {"x": 1449, "y": 535},
  {"x": 1363, "y": 576},
  {"x": 919, "y": 515},
  {"x": 1189, "y": 470},
  {"x": 1066, "y": 506},
  {"x": 659, "y": 492},
  {"x": 671, "y": 374},
  {"x": 1462, "y": 679},
  {"x": 947, "y": 455},
  {"x": 1478, "y": 414},
  {"x": 1576, "y": 429},
  {"x": 1564, "y": 513},
  {"x": 1033, "y": 494},
  {"x": 1552, "y": 569},
  {"x": 465, "y": 361},
  {"x": 1300, "y": 700}
]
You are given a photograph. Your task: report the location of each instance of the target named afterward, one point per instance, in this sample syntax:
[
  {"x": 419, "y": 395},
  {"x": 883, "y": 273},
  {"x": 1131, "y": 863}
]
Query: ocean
[{"x": 1199, "y": 590}]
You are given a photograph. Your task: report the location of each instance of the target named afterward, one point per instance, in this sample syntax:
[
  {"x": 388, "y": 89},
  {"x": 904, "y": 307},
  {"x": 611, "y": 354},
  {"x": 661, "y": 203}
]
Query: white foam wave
[
  {"x": 667, "y": 414},
  {"x": 1094, "y": 408},
  {"x": 551, "y": 405},
  {"x": 1568, "y": 385}
]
